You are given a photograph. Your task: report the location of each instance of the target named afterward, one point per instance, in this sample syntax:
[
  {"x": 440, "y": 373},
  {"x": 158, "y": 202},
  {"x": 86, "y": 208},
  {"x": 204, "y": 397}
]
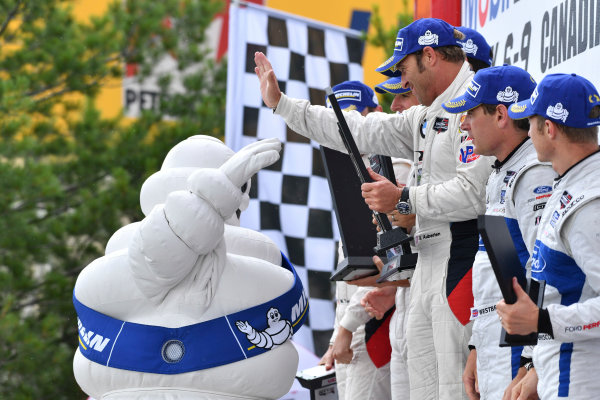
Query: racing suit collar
[
  {"x": 558, "y": 178},
  {"x": 498, "y": 164}
]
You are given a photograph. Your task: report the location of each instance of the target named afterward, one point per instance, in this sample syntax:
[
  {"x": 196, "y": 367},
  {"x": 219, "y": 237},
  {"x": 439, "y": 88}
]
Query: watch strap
[{"x": 405, "y": 195}]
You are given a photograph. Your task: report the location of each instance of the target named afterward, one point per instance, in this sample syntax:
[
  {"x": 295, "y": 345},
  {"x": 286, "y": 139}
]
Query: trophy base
[
  {"x": 390, "y": 239},
  {"x": 352, "y": 268},
  {"x": 401, "y": 267}
]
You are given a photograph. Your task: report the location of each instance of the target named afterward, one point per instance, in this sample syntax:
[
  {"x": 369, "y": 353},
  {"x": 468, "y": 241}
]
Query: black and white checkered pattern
[{"x": 290, "y": 201}]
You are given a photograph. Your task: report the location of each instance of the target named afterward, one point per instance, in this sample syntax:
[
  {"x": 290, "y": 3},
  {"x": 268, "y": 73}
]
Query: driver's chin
[
  {"x": 423, "y": 98},
  {"x": 420, "y": 98},
  {"x": 479, "y": 150},
  {"x": 474, "y": 142}
]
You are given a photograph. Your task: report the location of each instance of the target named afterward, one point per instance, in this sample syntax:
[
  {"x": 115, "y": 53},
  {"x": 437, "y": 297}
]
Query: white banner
[{"x": 543, "y": 37}]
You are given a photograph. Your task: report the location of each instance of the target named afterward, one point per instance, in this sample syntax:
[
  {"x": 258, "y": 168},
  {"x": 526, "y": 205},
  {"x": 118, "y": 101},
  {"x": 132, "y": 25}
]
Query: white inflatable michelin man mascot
[{"x": 159, "y": 315}]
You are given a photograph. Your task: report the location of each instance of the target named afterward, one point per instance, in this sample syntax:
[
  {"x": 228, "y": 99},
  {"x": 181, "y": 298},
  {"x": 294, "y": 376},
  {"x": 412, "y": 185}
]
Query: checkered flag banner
[{"x": 290, "y": 201}]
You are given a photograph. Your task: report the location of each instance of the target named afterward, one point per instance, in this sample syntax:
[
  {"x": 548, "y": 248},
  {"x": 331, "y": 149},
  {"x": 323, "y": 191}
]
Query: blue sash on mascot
[{"x": 156, "y": 349}]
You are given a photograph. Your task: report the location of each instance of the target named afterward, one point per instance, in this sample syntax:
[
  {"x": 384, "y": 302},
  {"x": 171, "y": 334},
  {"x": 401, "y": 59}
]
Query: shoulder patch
[
  {"x": 440, "y": 124},
  {"x": 565, "y": 199}
]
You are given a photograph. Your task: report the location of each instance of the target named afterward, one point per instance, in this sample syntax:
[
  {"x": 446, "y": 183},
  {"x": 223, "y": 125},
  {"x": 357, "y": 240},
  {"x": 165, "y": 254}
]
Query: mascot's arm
[
  {"x": 260, "y": 339},
  {"x": 173, "y": 237}
]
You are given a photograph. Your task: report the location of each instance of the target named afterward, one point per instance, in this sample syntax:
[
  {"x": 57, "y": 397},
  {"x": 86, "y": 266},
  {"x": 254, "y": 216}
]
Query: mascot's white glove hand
[
  {"x": 244, "y": 326},
  {"x": 222, "y": 187},
  {"x": 251, "y": 159}
]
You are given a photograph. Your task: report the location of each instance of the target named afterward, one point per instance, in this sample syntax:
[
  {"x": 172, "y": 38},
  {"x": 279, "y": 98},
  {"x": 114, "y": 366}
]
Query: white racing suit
[
  {"x": 447, "y": 197},
  {"x": 360, "y": 379},
  {"x": 517, "y": 189},
  {"x": 398, "y": 366},
  {"x": 566, "y": 256}
]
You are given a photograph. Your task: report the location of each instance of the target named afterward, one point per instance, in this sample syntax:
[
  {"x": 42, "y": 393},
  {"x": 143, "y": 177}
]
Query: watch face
[{"x": 403, "y": 208}]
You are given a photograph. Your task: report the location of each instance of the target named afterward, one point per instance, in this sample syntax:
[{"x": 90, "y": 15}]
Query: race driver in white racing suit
[
  {"x": 448, "y": 194},
  {"x": 517, "y": 190},
  {"x": 564, "y": 114}
]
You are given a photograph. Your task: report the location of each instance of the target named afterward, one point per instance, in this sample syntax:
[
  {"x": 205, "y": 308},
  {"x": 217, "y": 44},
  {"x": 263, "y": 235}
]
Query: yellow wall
[
  {"x": 340, "y": 13},
  {"x": 333, "y": 12},
  {"x": 110, "y": 97}
]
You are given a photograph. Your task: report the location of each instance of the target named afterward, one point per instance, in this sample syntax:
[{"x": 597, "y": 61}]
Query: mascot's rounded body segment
[{"x": 240, "y": 261}]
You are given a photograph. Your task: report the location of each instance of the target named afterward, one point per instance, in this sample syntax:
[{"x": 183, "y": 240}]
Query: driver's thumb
[
  {"x": 374, "y": 175},
  {"x": 518, "y": 289}
]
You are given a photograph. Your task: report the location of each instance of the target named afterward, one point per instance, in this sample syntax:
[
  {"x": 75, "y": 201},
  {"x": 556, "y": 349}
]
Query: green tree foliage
[
  {"x": 69, "y": 176},
  {"x": 385, "y": 37}
]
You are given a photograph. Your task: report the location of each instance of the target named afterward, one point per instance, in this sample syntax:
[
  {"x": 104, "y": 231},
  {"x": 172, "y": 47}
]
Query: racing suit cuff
[
  {"x": 523, "y": 361},
  {"x": 350, "y": 323},
  {"x": 285, "y": 107},
  {"x": 544, "y": 324},
  {"x": 333, "y": 336},
  {"x": 412, "y": 199}
]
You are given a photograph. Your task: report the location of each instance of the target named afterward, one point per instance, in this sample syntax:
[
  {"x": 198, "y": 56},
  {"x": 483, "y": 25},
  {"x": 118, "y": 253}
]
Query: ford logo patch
[{"x": 542, "y": 189}]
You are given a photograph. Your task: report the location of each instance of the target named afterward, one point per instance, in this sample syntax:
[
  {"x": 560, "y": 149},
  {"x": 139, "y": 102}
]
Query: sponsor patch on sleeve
[
  {"x": 440, "y": 124},
  {"x": 467, "y": 153}
]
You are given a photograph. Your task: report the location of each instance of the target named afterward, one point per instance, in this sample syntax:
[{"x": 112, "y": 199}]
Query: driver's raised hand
[{"x": 269, "y": 87}]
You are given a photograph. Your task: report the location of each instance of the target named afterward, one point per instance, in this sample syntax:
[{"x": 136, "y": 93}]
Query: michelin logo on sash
[
  {"x": 278, "y": 330},
  {"x": 90, "y": 340}
]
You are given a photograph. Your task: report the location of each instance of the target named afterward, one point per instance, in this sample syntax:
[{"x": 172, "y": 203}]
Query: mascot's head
[
  {"x": 183, "y": 159},
  {"x": 273, "y": 316}
]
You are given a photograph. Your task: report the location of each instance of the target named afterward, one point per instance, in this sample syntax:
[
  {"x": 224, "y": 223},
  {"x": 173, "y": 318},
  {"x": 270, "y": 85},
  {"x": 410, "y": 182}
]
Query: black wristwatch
[{"x": 403, "y": 205}]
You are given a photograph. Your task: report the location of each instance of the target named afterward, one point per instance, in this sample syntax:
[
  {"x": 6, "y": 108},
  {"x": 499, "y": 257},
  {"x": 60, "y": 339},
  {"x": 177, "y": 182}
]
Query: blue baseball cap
[
  {"x": 495, "y": 85},
  {"x": 475, "y": 46},
  {"x": 392, "y": 85},
  {"x": 419, "y": 34},
  {"x": 566, "y": 99},
  {"x": 354, "y": 95}
]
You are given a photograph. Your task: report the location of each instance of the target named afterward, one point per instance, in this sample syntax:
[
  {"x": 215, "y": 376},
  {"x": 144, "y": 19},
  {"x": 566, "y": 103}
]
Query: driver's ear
[{"x": 429, "y": 55}]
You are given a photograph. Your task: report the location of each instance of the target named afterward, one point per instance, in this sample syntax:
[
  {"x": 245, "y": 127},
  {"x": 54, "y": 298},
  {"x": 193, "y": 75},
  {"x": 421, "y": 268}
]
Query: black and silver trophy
[
  {"x": 506, "y": 264},
  {"x": 401, "y": 261},
  {"x": 357, "y": 233},
  {"x": 352, "y": 268}
]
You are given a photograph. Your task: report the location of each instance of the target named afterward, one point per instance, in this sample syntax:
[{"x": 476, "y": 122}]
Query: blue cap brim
[
  {"x": 382, "y": 90},
  {"x": 392, "y": 85},
  {"x": 520, "y": 110},
  {"x": 386, "y": 67},
  {"x": 351, "y": 107},
  {"x": 347, "y": 105},
  {"x": 460, "y": 104}
]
